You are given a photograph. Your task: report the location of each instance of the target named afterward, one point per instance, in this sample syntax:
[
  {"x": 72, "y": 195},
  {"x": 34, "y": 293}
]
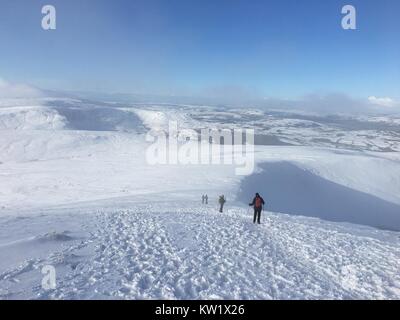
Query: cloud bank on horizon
[
  {"x": 337, "y": 103},
  {"x": 233, "y": 96},
  {"x": 383, "y": 101},
  {"x": 10, "y": 90}
]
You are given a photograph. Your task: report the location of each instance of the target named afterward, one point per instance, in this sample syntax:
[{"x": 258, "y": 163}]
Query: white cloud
[
  {"x": 384, "y": 102},
  {"x": 331, "y": 103},
  {"x": 16, "y": 90},
  {"x": 334, "y": 103}
]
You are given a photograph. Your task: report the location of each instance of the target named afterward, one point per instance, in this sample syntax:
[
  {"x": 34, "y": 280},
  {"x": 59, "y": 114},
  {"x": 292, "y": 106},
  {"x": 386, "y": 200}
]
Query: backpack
[{"x": 258, "y": 203}]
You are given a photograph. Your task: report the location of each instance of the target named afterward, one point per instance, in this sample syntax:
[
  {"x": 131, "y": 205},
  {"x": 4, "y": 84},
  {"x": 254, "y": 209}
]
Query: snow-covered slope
[
  {"x": 375, "y": 173},
  {"x": 33, "y": 118},
  {"x": 291, "y": 189},
  {"x": 179, "y": 250},
  {"x": 76, "y": 192},
  {"x": 156, "y": 119}
]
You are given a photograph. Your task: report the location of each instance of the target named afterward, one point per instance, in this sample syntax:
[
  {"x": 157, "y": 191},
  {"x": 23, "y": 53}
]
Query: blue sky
[{"x": 283, "y": 49}]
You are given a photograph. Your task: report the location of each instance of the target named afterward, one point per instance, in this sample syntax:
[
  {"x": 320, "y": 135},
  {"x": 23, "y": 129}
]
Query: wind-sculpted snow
[
  {"x": 176, "y": 250},
  {"x": 71, "y": 116},
  {"x": 311, "y": 195},
  {"x": 31, "y": 118},
  {"x": 375, "y": 173},
  {"x": 54, "y": 236},
  {"x": 160, "y": 119}
]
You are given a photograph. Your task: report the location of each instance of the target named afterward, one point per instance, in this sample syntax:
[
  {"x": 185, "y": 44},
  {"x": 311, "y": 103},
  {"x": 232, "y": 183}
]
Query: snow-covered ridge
[
  {"x": 31, "y": 118},
  {"x": 374, "y": 173},
  {"x": 290, "y": 188},
  {"x": 158, "y": 120}
]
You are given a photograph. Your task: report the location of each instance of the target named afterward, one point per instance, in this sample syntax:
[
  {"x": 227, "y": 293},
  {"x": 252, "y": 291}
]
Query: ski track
[{"x": 197, "y": 253}]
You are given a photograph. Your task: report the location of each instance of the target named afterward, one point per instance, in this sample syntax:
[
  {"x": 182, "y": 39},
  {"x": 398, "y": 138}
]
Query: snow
[
  {"x": 77, "y": 193},
  {"x": 159, "y": 119},
  {"x": 374, "y": 173},
  {"x": 64, "y": 167},
  {"x": 34, "y": 118},
  {"x": 312, "y": 195},
  {"x": 172, "y": 250}
]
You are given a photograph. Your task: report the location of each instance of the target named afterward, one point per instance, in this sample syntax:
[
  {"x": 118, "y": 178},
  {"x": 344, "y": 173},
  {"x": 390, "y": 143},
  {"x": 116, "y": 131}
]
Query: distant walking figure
[
  {"x": 203, "y": 198},
  {"x": 221, "y": 201},
  {"x": 206, "y": 198},
  {"x": 257, "y": 203}
]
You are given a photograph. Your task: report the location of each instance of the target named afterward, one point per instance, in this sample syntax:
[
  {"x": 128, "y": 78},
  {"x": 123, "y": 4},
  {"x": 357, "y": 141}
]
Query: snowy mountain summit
[{"x": 83, "y": 215}]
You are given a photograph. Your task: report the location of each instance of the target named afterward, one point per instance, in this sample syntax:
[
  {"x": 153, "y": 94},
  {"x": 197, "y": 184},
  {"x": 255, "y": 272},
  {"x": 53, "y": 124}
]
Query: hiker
[
  {"x": 221, "y": 201},
  {"x": 257, "y": 203},
  {"x": 203, "y": 198},
  {"x": 206, "y": 198}
]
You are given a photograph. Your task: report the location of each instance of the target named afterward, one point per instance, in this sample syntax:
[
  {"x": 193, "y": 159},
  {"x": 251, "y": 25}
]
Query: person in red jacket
[{"x": 257, "y": 203}]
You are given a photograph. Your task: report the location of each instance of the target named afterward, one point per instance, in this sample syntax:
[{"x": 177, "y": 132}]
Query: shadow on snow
[{"x": 289, "y": 189}]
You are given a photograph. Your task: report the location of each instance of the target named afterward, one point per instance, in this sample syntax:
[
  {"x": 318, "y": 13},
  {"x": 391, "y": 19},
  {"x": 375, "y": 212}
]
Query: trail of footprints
[{"x": 150, "y": 253}]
